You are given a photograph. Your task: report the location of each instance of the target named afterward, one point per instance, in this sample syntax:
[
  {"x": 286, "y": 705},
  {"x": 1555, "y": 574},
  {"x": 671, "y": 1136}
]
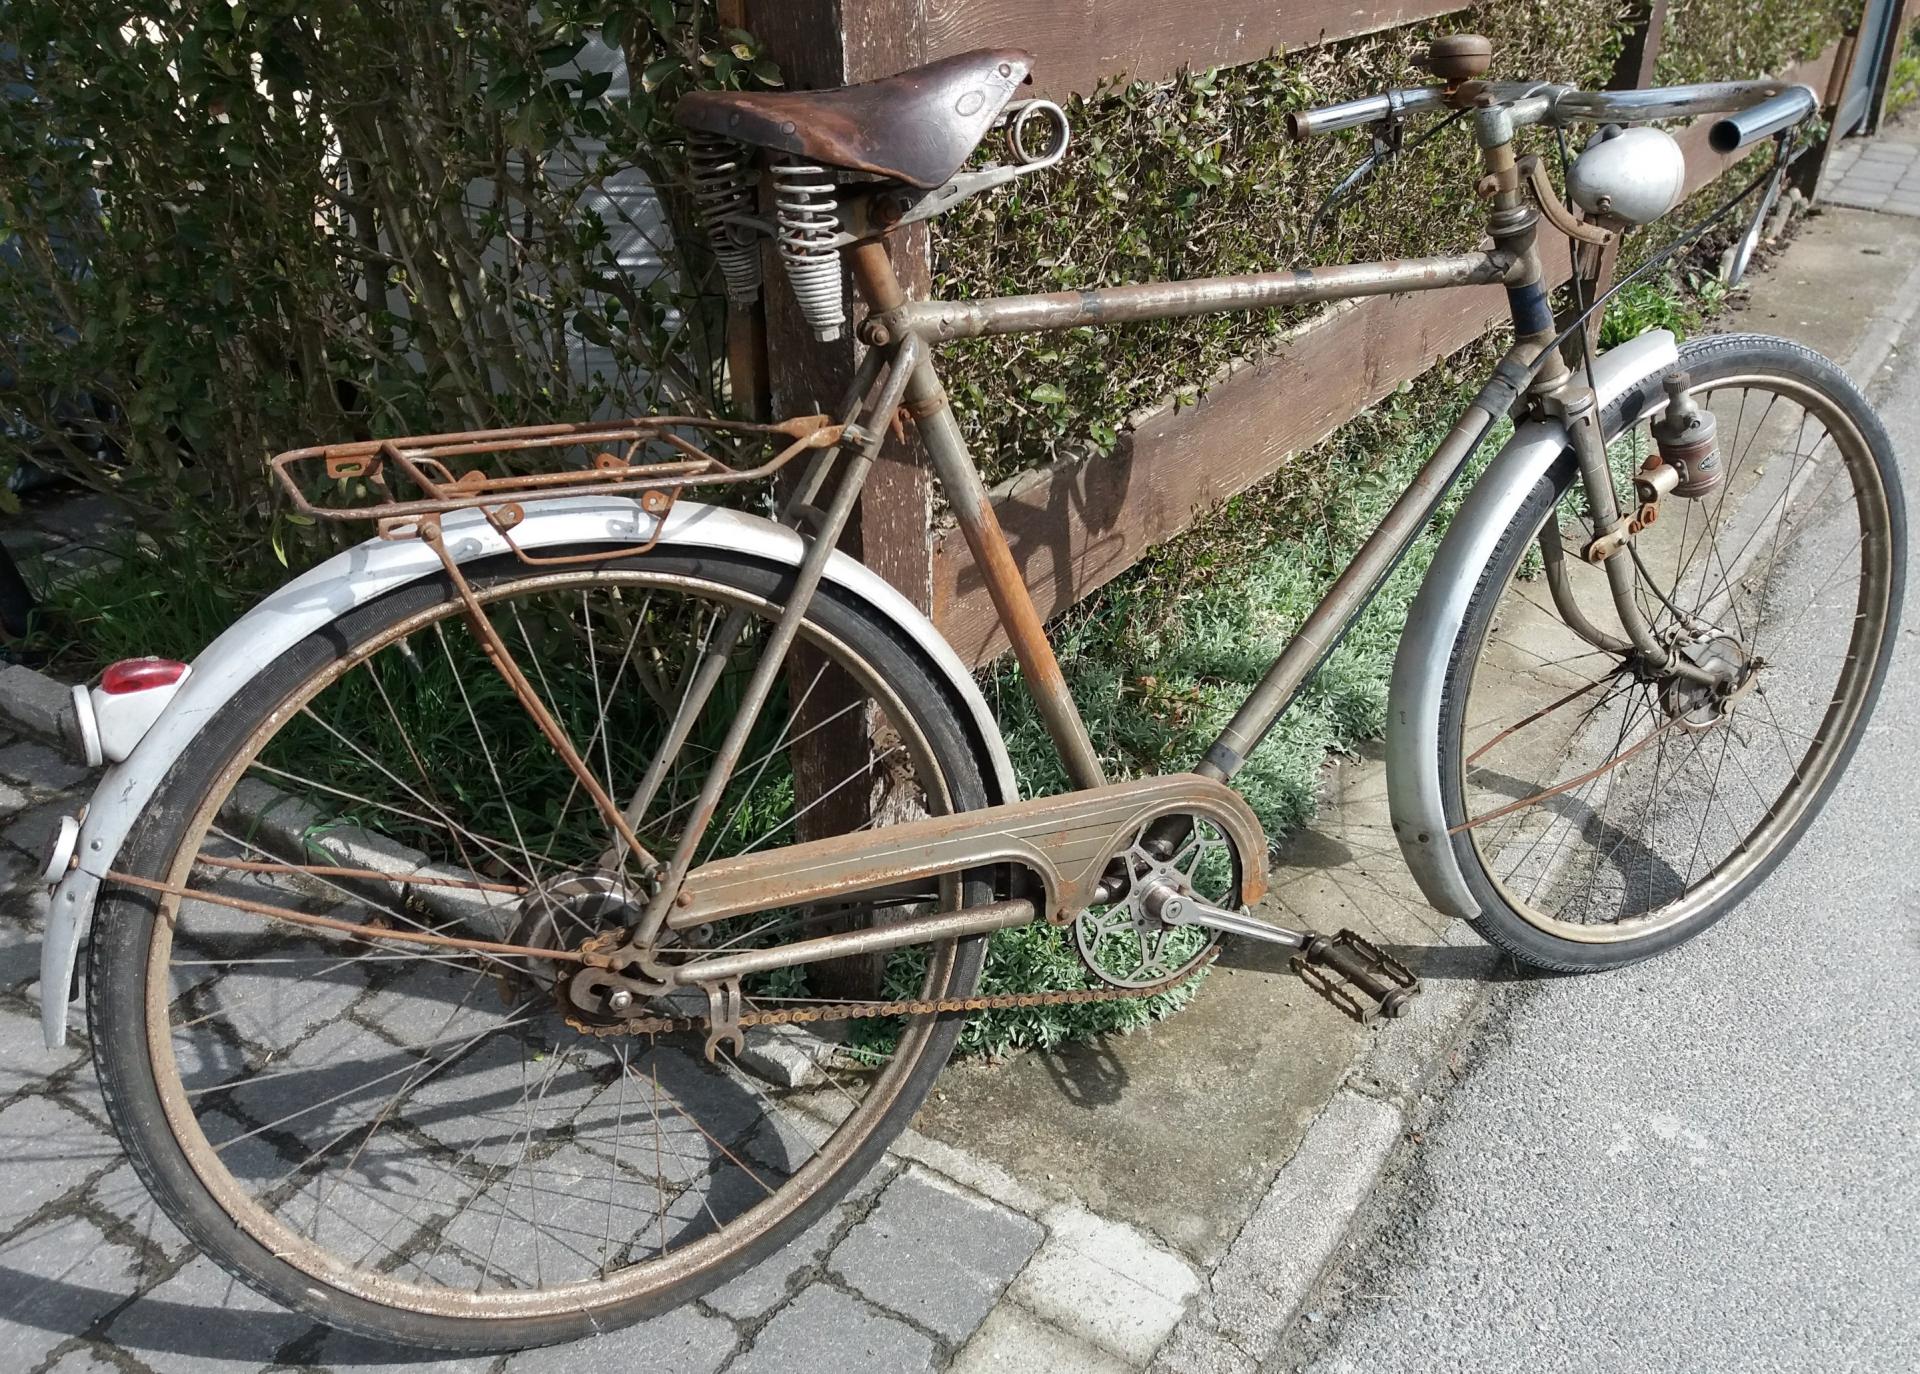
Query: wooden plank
[
  {"x": 822, "y": 43},
  {"x": 1077, "y": 43},
  {"x": 1639, "y": 54},
  {"x": 1075, "y": 527}
]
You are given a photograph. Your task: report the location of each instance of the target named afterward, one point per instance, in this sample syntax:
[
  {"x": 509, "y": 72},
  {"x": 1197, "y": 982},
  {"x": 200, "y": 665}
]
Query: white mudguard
[
  {"x": 330, "y": 590},
  {"x": 1631, "y": 373}
]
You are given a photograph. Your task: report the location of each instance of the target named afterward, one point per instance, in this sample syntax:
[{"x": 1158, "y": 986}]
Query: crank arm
[
  {"x": 1356, "y": 975},
  {"x": 1184, "y": 909}
]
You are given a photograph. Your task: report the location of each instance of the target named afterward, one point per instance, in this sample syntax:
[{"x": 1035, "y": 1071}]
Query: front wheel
[{"x": 1602, "y": 813}]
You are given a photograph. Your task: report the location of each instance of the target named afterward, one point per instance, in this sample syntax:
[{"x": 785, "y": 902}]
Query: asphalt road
[{"x": 1707, "y": 1162}]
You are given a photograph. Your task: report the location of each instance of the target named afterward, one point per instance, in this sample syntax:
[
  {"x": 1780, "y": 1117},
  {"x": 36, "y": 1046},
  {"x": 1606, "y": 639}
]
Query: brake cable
[{"x": 1389, "y": 141}]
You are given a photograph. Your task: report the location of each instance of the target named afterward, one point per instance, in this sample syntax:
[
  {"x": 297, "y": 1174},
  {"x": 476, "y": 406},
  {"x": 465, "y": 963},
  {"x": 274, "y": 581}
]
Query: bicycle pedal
[{"x": 1357, "y": 976}]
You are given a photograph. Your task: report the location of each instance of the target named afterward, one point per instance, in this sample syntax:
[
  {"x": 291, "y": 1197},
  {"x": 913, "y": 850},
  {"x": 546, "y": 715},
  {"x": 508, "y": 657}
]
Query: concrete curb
[{"x": 36, "y": 703}]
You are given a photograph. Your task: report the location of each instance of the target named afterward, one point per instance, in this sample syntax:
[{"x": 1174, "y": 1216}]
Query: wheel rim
[
  {"x": 729, "y": 1156},
  {"x": 1595, "y": 807}
]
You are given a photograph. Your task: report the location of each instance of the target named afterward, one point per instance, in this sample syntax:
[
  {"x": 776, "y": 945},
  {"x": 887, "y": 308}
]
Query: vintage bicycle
[{"x": 544, "y": 910}]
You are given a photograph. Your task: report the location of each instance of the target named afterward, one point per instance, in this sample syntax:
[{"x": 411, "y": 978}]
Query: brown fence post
[{"x": 829, "y": 43}]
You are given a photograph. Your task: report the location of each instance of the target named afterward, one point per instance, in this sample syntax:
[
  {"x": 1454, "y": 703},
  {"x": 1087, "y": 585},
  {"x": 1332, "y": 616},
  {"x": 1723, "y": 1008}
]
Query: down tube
[{"x": 1322, "y": 630}]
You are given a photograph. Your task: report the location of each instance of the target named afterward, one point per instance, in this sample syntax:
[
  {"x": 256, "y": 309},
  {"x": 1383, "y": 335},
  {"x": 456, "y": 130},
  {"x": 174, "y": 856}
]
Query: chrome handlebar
[{"x": 1534, "y": 102}]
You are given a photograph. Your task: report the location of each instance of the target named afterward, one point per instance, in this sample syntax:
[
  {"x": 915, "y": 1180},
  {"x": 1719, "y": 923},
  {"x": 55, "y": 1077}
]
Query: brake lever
[
  {"x": 1389, "y": 136},
  {"x": 1389, "y": 141},
  {"x": 1784, "y": 156}
]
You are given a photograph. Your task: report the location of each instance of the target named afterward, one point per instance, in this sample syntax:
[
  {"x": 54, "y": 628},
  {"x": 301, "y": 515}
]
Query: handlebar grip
[
  {"x": 1352, "y": 114},
  {"x": 1756, "y": 122}
]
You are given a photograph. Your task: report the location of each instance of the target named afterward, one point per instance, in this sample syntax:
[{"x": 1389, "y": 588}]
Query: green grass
[{"x": 1903, "y": 85}]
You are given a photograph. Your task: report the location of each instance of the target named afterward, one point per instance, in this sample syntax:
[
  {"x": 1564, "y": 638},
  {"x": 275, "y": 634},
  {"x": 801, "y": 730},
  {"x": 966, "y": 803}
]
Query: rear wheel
[
  {"x": 419, "y": 1143},
  {"x": 1602, "y": 813}
]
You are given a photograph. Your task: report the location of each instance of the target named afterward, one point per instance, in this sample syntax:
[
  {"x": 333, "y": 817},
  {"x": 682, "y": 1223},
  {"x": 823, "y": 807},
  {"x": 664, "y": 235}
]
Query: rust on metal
[
  {"x": 423, "y": 461},
  {"x": 365, "y": 874},
  {"x": 905, "y": 1006},
  {"x": 365, "y": 932},
  {"x": 504, "y": 663},
  {"x": 1549, "y": 204},
  {"x": 939, "y": 320},
  {"x": 949, "y": 925},
  {"x": 1066, "y": 840}
]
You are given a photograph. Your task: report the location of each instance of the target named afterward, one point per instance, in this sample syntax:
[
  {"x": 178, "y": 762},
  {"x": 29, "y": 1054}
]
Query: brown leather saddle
[{"x": 917, "y": 127}]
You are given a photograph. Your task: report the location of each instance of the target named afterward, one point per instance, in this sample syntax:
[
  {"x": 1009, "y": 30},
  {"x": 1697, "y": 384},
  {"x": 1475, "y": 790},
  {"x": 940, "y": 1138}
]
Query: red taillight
[{"x": 140, "y": 675}]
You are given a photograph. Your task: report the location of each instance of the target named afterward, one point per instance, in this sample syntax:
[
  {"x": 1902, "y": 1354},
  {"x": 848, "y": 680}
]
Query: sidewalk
[{"x": 1161, "y": 1201}]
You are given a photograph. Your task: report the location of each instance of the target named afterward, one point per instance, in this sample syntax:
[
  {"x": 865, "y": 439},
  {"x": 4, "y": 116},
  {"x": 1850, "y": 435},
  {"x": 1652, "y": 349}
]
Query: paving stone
[
  {"x": 823, "y": 1331},
  {"x": 13, "y": 798},
  {"x": 123, "y": 1196},
  {"x": 358, "y": 1355},
  {"x": 31, "y": 830},
  {"x": 60, "y": 1278},
  {"x": 25, "y": 1060},
  {"x": 23, "y": 912},
  {"x": 435, "y": 1005},
  {"x": 508, "y": 1094},
  {"x": 204, "y": 1319},
  {"x": 50, "y": 1152},
  {"x": 340, "y": 1076},
  {"x": 765, "y": 1285},
  {"x": 39, "y": 767},
  {"x": 935, "y": 1255},
  {"x": 1014, "y": 1341},
  {"x": 84, "y": 1361},
  {"x": 1106, "y": 1284},
  {"x": 34, "y": 701},
  {"x": 683, "y": 1341},
  {"x": 693, "y": 1109},
  {"x": 267, "y": 1007},
  {"x": 562, "y": 1218},
  {"x": 90, "y": 518}
]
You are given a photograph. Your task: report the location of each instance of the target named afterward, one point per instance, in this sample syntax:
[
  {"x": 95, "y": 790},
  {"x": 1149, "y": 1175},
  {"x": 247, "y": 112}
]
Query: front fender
[
  {"x": 368, "y": 570},
  {"x": 1627, "y": 374}
]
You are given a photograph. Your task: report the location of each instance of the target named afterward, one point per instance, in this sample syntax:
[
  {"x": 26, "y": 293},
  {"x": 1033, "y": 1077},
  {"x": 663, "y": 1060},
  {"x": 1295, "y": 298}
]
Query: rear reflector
[{"x": 140, "y": 675}]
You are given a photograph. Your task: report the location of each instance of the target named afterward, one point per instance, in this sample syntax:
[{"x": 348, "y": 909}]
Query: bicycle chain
[{"x": 910, "y": 1006}]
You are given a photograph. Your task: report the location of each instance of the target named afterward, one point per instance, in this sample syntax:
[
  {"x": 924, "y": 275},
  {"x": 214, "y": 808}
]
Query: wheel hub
[
  {"x": 1700, "y": 705},
  {"x": 588, "y": 910}
]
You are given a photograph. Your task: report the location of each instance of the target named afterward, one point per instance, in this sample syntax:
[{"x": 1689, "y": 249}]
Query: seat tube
[{"x": 973, "y": 512}]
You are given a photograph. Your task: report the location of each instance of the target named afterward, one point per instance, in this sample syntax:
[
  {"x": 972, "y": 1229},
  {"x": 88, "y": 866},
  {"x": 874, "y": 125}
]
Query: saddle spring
[
  {"x": 804, "y": 205},
  {"x": 723, "y": 189}
]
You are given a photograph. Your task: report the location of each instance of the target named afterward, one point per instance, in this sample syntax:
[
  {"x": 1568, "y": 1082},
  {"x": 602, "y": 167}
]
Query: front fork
[{"x": 1557, "y": 392}]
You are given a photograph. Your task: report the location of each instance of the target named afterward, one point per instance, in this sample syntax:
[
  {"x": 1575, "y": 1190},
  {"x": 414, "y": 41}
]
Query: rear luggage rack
[{"x": 403, "y": 484}]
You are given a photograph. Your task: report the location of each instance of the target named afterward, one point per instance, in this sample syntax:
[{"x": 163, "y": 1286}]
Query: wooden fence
[{"x": 1075, "y": 526}]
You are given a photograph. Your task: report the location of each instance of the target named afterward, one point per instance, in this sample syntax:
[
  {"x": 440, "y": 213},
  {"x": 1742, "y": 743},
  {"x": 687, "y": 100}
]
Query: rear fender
[{"x": 378, "y": 566}]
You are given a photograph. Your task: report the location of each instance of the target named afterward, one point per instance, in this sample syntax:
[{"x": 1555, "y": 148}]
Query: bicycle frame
[
  {"x": 897, "y": 376},
  {"x": 902, "y": 337}
]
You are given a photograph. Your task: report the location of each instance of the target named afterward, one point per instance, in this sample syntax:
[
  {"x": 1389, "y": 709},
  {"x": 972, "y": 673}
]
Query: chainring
[{"x": 1123, "y": 944}]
